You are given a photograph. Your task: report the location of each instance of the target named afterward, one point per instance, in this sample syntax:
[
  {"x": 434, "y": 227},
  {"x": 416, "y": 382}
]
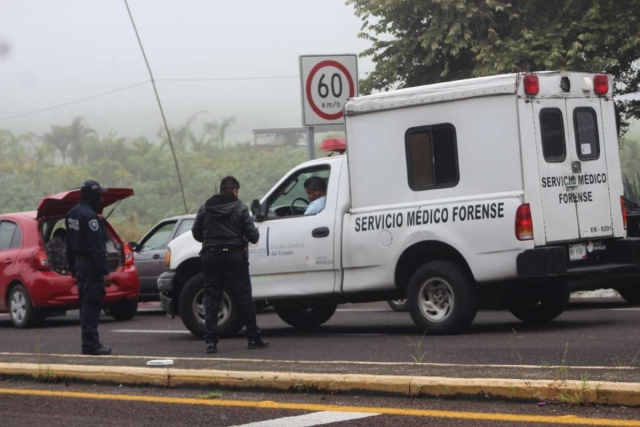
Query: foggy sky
[{"x": 53, "y": 52}]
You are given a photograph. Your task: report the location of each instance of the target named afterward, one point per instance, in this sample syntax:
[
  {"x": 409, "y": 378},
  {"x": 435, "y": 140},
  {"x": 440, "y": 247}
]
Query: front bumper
[
  {"x": 166, "y": 288},
  {"x": 620, "y": 257}
]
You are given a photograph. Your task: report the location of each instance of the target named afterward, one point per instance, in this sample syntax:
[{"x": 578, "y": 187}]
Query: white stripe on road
[
  {"x": 293, "y": 334},
  {"x": 364, "y": 309},
  {"x": 308, "y": 420},
  {"x": 148, "y": 331}
]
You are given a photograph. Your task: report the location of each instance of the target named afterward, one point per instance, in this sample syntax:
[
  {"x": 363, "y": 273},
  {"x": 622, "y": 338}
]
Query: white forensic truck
[{"x": 495, "y": 191}]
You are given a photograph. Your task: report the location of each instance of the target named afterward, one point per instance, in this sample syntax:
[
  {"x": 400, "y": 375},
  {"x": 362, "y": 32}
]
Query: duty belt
[{"x": 225, "y": 249}]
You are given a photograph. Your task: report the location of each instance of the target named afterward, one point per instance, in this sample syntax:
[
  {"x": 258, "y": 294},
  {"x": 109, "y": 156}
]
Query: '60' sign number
[{"x": 327, "y": 82}]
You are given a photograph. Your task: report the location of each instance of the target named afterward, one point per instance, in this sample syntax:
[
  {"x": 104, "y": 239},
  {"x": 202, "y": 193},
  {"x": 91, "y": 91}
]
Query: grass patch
[{"x": 211, "y": 395}]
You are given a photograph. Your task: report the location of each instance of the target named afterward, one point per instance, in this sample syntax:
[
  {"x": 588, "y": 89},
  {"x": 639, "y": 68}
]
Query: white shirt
[{"x": 316, "y": 206}]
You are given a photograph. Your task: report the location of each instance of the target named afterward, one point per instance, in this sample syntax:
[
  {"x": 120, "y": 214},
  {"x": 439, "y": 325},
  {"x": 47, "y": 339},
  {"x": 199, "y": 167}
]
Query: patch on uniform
[{"x": 93, "y": 224}]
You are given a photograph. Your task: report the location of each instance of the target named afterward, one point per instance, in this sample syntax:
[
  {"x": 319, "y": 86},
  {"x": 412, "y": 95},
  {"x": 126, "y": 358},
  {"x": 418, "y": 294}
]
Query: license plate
[{"x": 578, "y": 252}]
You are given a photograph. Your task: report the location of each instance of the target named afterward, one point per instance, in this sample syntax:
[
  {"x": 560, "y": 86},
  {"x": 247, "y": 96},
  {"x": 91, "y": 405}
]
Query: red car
[{"x": 31, "y": 288}]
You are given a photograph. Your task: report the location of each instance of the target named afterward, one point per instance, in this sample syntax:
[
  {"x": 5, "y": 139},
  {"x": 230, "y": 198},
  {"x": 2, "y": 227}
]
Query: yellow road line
[{"x": 565, "y": 420}]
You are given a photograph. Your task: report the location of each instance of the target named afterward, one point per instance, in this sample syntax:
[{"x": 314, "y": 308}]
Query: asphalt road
[
  {"x": 598, "y": 333},
  {"x": 102, "y": 406}
]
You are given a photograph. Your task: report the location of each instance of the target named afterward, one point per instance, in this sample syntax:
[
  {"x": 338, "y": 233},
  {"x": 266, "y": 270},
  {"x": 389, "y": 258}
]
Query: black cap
[{"x": 92, "y": 186}]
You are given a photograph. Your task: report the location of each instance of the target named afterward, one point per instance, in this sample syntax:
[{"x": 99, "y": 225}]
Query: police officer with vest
[
  {"x": 223, "y": 225},
  {"x": 87, "y": 256}
]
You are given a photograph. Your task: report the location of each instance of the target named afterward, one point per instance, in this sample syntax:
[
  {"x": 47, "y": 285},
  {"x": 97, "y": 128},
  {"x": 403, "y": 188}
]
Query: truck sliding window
[
  {"x": 552, "y": 132},
  {"x": 432, "y": 157},
  {"x": 585, "y": 122}
]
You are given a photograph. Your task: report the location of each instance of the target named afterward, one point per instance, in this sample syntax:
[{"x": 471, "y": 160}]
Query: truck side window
[
  {"x": 585, "y": 122},
  {"x": 432, "y": 157},
  {"x": 552, "y": 132},
  {"x": 290, "y": 199}
]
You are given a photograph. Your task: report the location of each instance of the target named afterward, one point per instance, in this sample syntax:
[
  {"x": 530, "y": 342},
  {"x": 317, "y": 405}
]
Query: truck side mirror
[
  {"x": 258, "y": 210},
  {"x": 134, "y": 246}
]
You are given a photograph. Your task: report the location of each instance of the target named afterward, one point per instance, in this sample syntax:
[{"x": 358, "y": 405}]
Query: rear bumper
[{"x": 622, "y": 257}]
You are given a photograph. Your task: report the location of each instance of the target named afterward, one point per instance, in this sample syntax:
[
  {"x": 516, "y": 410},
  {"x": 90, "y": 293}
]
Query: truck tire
[
  {"x": 306, "y": 318},
  {"x": 443, "y": 298},
  {"x": 122, "y": 310},
  {"x": 192, "y": 309},
  {"x": 23, "y": 314},
  {"x": 541, "y": 303},
  {"x": 398, "y": 304},
  {"x": 631, "y": 295}
]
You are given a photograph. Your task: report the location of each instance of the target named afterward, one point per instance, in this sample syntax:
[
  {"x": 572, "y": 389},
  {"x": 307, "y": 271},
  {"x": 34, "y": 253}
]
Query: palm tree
[
  {"x": 217, "y": 130},
  {"x": 57, "y": 137},
  {"x": 76, "y": 133}
]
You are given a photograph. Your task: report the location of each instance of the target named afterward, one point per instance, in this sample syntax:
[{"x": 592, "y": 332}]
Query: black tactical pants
[
  {"x": 227, "y": 270},
  {"x": 91, "y": 292}
]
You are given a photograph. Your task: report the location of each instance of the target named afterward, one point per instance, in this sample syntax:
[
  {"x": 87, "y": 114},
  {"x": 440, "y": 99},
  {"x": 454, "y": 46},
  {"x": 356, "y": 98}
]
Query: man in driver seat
[{"x": 316, "y": 189}]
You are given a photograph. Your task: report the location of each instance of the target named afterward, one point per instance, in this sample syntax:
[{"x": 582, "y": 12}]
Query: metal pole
[
  {"x": 311, "y": 143},
  {"x": 164, "y": 119}
]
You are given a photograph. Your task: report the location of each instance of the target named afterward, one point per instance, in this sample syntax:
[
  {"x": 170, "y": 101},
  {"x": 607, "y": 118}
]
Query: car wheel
[
  {"x": 443, "y": 298},
  {"x": 192, "y": 310},
  {"x": 306, "y": 318},
  {"x": 122, "y": 310},
  {"x": 631, "y": 295},
  {"x": 23, "y": 314},
  {"x": 541, "y": 303},
  {"x": 398, "y": 304}
]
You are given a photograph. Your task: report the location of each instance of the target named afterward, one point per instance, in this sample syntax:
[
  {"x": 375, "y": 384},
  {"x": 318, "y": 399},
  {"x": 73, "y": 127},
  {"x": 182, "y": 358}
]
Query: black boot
[
  {"x": 98, "y": 351},
  {"x": 212, "y": 347},
  {"x": 258, "y": 343}
]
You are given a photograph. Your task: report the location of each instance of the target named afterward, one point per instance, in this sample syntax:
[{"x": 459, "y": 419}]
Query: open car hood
[{"x": 60, "y": 204}]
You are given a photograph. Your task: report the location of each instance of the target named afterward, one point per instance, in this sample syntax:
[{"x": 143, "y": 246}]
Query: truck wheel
[
  {"x": 398, "y": 304},
  {"x": 23, "y": 313},
  {"x": 122, "y": 310},
  {"x": 306, "y": 318},
  {"x": 192, "y": 310},
  {"x": 443, "y": 298},
  {"x": 541, "y": 303},
  {"x": 631, "y": 295}
]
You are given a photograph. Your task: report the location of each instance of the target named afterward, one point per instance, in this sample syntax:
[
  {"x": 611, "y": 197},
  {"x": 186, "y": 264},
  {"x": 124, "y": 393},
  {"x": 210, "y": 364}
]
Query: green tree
[{"x": 417, "y": 42}]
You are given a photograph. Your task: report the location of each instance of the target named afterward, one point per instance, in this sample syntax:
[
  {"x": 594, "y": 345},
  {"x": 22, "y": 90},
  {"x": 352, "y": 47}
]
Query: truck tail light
[
  {"x": 167, "y": 258},
  {"x": 624, "y": 212},
  {"x": 41, "y": 260},
  {"x": 127, "y": 254},
  {"x": 601, "y": 84},
  {"x": 531, "y": 84},
  {"x": 524, "y": 224}
]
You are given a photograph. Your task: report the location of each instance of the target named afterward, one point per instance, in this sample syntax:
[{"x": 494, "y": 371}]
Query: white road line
[
  {"x": 365, "y": 309},
  {"x": 148, "y": 331},
  {"x": 308, "y": 420},
  {"x": 293, "y": 334},
  {"x": 331, "y": 362}
]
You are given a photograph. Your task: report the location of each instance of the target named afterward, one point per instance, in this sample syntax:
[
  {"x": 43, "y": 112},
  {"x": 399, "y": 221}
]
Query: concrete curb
[{"x": 604, "y": 393}]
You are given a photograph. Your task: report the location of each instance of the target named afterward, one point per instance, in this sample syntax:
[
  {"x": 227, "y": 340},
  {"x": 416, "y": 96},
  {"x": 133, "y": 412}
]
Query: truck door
[
  {"x": 554, "y": 165},
  {"x": 588, "y": 157},
  {"x": 295, "y": 254}
]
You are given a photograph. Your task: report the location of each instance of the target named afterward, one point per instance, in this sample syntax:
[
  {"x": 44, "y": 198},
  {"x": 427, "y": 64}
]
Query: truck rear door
[
  {"x": 589, "y": 162},
  {"x": 572, "y": 163}
]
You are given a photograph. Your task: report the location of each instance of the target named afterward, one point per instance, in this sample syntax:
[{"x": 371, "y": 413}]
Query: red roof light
[
  {"x": 531, "y": 84},
  {"x": 601, "y": 84},
  {"x": 334, "y": 144}
]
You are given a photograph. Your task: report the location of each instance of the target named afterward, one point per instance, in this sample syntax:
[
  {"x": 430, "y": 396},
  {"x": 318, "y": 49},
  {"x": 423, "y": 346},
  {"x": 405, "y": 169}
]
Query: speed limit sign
[{"x": 326, "y": 84}]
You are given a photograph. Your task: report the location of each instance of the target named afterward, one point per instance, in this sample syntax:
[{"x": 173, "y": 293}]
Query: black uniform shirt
[{"x": 85, "y": 237}]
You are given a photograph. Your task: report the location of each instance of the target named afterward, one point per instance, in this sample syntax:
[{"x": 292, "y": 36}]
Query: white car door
[{"x": 295, "y": 254}]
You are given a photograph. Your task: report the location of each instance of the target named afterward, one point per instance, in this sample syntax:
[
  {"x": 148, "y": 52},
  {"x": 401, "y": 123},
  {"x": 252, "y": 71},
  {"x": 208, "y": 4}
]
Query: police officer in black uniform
[
  {"x": 223, "y": 225},
  {"x": 87, "y": 256}
]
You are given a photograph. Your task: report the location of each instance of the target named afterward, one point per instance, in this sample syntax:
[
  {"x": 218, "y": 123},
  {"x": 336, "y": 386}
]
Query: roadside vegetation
[{"x": 33, "y": 166}]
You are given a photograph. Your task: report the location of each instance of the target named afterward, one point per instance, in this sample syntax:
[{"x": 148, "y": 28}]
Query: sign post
[{"x": 326, "y": 83}]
